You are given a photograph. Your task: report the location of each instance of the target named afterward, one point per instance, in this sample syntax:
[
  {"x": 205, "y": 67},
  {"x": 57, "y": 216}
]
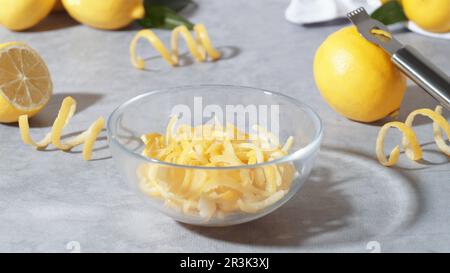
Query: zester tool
[{"x": 407, "y": 59}]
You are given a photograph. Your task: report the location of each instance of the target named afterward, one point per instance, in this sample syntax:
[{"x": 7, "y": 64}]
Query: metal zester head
[{"x": 365, "y": 25}]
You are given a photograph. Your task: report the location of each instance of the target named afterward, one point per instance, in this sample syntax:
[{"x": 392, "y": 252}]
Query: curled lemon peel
[
  {"x": 438, "y": 122},
  {"x": 212, "y": 192},
  {"x": 199, "y": 46},
  {"x": 65, "y": 113},
  {"x": 412, "y": 147},
  {"x": 438, "y": 137},
  {"x": 409, "y": 140}
]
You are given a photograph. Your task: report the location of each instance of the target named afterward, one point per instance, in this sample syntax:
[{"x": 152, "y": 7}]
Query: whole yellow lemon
[
  {"x": 357, "y": 78},
  {"x": 431, "y": 15},
  {"x": 105, "y": 14},
  {"x": 22, "y": 14}
]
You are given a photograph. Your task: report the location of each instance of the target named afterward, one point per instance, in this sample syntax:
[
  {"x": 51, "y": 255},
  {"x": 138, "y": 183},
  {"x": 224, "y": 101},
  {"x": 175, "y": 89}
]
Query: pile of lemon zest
[
  {"x": 288, "y": 145},
  {"x": 170, "y": 129},
  {"x": 65, "y": 113},
  {"x": 206, "y": 207},
  {"x": 409, "y": 140},
  {"x": 199, "y": 47},
  {"x": 211, "y": 193},
  {"x": 253, "y": 207},
  {"x": 266, "y": 135},
  {"x": 149, "y": 137}
]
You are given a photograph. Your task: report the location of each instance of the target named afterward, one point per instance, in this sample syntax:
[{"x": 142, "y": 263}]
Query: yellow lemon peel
[
  {"x": 438, "y": 137},
  {"x": 65, "y": 113},
  {"x": 381, "y": 33},
  {"x": 199, "y": 47},
  {"x": 409, "y": 140},
  {"x": 438, "y": 122},
  {"x": 215, "y": 192}
]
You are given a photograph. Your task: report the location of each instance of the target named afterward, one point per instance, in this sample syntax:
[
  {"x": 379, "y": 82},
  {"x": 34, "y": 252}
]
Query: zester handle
[{"x": 424, "y": 74}]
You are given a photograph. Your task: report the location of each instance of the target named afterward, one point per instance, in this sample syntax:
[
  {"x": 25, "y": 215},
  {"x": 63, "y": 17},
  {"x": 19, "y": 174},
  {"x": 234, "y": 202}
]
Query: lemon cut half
[{"x": 25, "y": 83}]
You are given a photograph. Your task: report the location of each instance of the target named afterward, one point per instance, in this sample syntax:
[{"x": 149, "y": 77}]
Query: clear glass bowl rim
[{"x": 298, "y": 154}]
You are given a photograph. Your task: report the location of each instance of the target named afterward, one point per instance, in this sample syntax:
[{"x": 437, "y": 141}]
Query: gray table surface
[{"x": 54, "y": 201}]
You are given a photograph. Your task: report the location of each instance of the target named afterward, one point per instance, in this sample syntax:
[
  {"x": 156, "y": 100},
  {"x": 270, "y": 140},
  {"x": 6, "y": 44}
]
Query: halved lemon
[{"x": 25, "y": 83}]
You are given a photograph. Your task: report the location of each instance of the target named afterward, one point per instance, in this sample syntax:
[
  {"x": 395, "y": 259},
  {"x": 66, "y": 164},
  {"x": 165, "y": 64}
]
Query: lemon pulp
[{"x": 25, "y": 82}]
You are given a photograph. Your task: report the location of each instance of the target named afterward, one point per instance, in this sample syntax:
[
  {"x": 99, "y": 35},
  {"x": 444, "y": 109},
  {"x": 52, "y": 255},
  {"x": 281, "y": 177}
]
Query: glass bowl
[{"x": 244, "y": 107}]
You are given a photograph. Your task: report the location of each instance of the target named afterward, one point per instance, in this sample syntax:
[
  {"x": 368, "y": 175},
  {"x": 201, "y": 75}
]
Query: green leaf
[
  {"x": 390, "y": 13},
  {"x": 161, "y": 16}
]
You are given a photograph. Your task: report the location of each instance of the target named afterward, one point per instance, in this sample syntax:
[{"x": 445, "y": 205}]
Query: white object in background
[
  {"x": 413, "y": 27},
  {"x": 316, "y": 11}
]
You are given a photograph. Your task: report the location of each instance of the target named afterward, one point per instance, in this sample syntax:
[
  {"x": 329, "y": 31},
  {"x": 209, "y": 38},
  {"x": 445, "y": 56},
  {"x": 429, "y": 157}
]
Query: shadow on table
[
  {"x": 100, "y": 145},
  {"x": 301, "y": 218},
  {"x": 46, "y": 117},
  {"x": 320, "y": 208},
  {"x": 189, "y": 10},
  {"x": 429, "y": 150},
  {"x": 186, "y": 59},
  {"x": 334, "y": 22},
  {"x": 56, "y": 20},
  {"x": 229, "y": 52},
  {"x": 443, "y": 159},
  {"x": 101, "y": 140},
  {"x": 415, "y": 98}
]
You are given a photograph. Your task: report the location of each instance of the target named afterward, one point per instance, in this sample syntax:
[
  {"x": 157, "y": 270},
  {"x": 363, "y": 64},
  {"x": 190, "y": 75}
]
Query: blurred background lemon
[
  {"x": 431, "y": 15},
  {"x": 105, "y": 14},
  {"x": 357, "y": 78},
  {"x": 23, "y": 14}
]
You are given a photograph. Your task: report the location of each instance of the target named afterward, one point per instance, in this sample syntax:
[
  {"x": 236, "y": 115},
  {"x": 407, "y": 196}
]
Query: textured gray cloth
[{"x": 48, "y": 199}]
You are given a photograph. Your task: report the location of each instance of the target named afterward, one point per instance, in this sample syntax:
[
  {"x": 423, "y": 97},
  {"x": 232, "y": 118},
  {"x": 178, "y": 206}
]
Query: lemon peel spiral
[
  {"x": 438, "y": 122},
  {"x": 199, "y": 46},
  {"x": 65, "y": 113},
  {"x": 409, "y": 140}
]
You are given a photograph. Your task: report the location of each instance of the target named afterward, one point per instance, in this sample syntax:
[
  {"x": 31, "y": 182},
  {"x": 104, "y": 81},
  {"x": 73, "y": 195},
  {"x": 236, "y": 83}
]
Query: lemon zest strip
[
  {"x": 409, "y": 140},
  {"x": 65, "y": 113},
  {"x": 438, "y": 137},
  {"x": 438, "y": 122},
  {"x": 381, "y": 32},
  {"x": 199, "y": 47}
]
